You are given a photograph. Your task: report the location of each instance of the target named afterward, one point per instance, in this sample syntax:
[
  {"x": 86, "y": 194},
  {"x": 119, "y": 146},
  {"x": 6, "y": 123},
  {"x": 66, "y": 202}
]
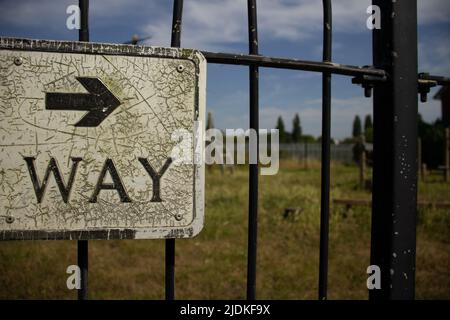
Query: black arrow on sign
[{"x": 99, "y": 102}]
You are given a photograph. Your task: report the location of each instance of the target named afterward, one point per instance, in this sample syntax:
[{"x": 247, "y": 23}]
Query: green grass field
[{"x": 213, "y": 265}]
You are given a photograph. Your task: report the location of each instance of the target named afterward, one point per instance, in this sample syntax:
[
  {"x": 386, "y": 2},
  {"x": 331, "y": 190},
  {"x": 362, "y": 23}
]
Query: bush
[{"x": 432, "y": 136}]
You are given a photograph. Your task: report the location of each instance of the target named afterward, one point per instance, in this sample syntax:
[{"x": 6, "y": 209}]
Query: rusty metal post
[
  {"x": 83, "y": 33},
  {"x": 253, "y": 168},
  {"x": 394, "y": 210},
  {"x": 326, "y": 153}
]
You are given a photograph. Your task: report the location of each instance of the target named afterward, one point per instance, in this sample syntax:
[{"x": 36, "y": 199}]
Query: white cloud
[
  {"x": 43, "y": 14},
  {"x": 434, "y": 55},
  {"x": 216, "y": 24},
  {"x": 219, "y": 24},
  {"x": 433, "y": 11},
  {"x": 310, "y": 112}
]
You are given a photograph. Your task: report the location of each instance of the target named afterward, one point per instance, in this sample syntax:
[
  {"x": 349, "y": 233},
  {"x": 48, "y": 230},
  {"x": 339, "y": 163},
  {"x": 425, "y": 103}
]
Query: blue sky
[{"x": 287, "y": 28}]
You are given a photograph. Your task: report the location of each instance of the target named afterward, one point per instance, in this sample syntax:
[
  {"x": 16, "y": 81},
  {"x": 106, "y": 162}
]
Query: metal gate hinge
[
  {"x": 368, "y": 82},
  {"x": 424, "y": 86}
]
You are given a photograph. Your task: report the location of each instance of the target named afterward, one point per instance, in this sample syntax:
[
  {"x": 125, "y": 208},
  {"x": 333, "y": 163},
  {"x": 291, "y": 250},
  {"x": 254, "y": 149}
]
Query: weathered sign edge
[{"x": 194, "y": 228}]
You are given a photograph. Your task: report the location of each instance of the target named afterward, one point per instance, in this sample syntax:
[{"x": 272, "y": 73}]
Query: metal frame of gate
[{"x": 395, "y": 82}]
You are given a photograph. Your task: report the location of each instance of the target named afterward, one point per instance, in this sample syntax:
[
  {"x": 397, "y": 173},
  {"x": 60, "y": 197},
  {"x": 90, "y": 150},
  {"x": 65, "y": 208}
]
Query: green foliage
[
  {"x": 368, "y": 124},
  {"x": 368, "y": 135},
  {"x": 212, "y": 265},
  {"x": 296, "y": 129},
  {"x": 432, "y": 136},
  {"x": 357, "y": 127},
  {"x": 319, "y": 139},
  {"x": 349, "y": 140},
  {"x": 297, "y": 133},
  {"x": 284, "y": 136},
  {"x": 368, "y": 128},
  {"x": 308, "y": 138}
]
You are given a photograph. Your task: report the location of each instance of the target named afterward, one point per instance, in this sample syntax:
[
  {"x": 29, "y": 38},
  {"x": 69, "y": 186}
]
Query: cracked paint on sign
[{"x": 155, "y": 100}]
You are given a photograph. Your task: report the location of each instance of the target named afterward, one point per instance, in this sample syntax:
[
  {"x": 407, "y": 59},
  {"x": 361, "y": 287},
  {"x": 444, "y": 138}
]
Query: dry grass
[{"x": 213, "y": 265}]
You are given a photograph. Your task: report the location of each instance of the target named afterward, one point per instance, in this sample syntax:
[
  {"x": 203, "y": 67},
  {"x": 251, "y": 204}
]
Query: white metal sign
[{"x": 86, "y": 137}]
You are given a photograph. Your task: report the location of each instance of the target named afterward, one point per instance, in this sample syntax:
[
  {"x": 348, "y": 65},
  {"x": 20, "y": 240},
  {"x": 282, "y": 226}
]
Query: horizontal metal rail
[
  {"x": 305, "y": 65},
  {"x": 292, "y": 64},
  {"x": 442, "y": 81}
]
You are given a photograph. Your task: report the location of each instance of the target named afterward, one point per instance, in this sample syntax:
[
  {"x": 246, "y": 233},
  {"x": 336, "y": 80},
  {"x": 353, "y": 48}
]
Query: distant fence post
[
  {"x": 424, "y": 172},
  {"x": 305, "y": 154},
  {"x": 362, "y": 163}
]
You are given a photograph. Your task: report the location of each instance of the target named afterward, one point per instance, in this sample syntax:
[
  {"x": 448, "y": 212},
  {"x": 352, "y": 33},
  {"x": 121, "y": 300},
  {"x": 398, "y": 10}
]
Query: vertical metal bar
[
  {"x": 176, "y": 23},
  {"x": 170, "y": 243},
  {"x": 326, "y": 142},
  {"x": 83, "y": 262},
  {"x": 419, "y": 157},
  {"x": 83, "y": 245},
  {"x": 306, "y": 155},
  {"x": 393, "y": 245},
  {"x": 170, "y": 269},
  {"x": 253, "y": 168},
  {"x": 83, "y": 33},
  {"x": 447, "y": 155}
]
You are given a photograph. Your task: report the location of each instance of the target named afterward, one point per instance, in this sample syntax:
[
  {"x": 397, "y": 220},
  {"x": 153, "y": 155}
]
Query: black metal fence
[
  {"x": 304, "y": 152},
  {"x": 396, "y": 84}
]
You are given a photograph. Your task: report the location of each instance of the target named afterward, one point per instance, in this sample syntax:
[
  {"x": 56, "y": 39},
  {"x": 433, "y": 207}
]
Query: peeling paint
[{"x": 156, "y": 100}]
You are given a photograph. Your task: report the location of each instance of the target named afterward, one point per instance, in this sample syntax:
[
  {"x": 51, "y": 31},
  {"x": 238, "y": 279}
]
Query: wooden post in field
[
  {"x": 424, "y": 172},
  {"x": 447, "y": 155},
  {"x": 419, "y": 157},
  {"x": 362, "y": 163}
]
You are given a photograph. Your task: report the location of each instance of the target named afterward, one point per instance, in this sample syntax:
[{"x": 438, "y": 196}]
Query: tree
[
  {"x": 368, "y": 122},
  {"x": 357, "y": 127},
  {"x": 296, "y": 129},
  {"x": 368, "y": 135},
  {"x": 368, "y": 128},
  {"x": 432, "y": 135},
  {"x": 307, "y": 138},
  {"x": 281, "y": 130}
]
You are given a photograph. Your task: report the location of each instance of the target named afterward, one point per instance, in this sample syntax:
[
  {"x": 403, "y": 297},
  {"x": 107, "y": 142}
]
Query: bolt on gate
[{"x": 395, "y": 83}]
